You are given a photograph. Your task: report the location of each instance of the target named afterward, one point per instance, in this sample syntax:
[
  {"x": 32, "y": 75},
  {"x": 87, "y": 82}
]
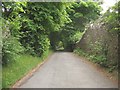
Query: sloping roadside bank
[
  {"x": 113, "y": 76},
  {"x": 14, "y": 74}
]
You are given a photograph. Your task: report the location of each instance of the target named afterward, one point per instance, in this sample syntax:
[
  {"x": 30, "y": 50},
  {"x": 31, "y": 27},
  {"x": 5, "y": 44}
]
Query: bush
[
  {"x": 42, "y": 46},
  {"x": 80, "y": 52},
  {"x": 37, "y": 47},
  {"x": 11, "y": 49},
  {"x": 100, "y": 59}
]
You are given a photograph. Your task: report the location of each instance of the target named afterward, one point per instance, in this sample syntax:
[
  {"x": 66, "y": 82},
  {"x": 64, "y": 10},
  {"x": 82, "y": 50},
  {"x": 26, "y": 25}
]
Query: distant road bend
[{"x": 65, "y": 70}]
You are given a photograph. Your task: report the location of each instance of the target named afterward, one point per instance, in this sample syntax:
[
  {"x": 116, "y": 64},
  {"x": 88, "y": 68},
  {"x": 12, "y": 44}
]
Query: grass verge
[
  {"x": 14, "y": 71},
  {"x": 100, "y": 61}
]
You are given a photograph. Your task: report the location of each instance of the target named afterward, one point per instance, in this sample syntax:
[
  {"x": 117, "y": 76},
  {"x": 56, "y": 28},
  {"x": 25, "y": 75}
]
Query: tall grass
[{"x": 16, "y": 70}]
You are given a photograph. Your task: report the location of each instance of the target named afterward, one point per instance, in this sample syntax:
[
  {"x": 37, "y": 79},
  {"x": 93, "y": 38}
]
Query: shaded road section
[{"x": 65, "y": 70}]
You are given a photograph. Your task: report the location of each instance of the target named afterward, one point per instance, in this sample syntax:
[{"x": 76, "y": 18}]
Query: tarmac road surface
[{"x": 65, "y": 70}]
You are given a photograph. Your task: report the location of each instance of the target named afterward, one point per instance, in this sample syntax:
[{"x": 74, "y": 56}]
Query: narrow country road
[{"x": 65, "y": 70}]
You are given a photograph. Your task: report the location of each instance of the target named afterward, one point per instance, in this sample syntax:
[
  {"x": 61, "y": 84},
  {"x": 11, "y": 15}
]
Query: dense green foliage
[
  {"x": 80, "y": 13},
  {"x": 40, "y": 26},
  {"x": 42, "y": 19},
  {"x": 99, "y": 50},
  {"x": 111, "y": 18},
  {"x": 15, "y": 71},
  {"x": 34, "y": 28},
  {"x": 100, "y": 59},
  {"x": 11, "y": 49},
  {"x": 10, "y": 31},
  {"x": 11, "y": 46}
]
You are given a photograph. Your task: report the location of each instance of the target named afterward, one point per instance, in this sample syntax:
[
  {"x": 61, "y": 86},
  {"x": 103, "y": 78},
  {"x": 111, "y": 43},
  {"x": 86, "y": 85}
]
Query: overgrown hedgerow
[{"x": 11, "y": 50}]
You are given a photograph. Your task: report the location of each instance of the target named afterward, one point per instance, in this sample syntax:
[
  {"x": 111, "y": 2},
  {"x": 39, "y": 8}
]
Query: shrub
[
  {"x": 100, "y": 59},
  {"x": 11, "y": 49},
  {"x": 80, "y": 52},
  {"x": 37, "y": 47},
  {"x": 42, "y": 46}
]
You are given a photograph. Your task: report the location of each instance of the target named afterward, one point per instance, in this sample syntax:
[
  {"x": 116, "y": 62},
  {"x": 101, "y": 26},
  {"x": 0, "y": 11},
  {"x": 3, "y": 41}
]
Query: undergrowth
[
  {"x": 99, "y": 59},
  {"x": 16, "y": 70}
]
